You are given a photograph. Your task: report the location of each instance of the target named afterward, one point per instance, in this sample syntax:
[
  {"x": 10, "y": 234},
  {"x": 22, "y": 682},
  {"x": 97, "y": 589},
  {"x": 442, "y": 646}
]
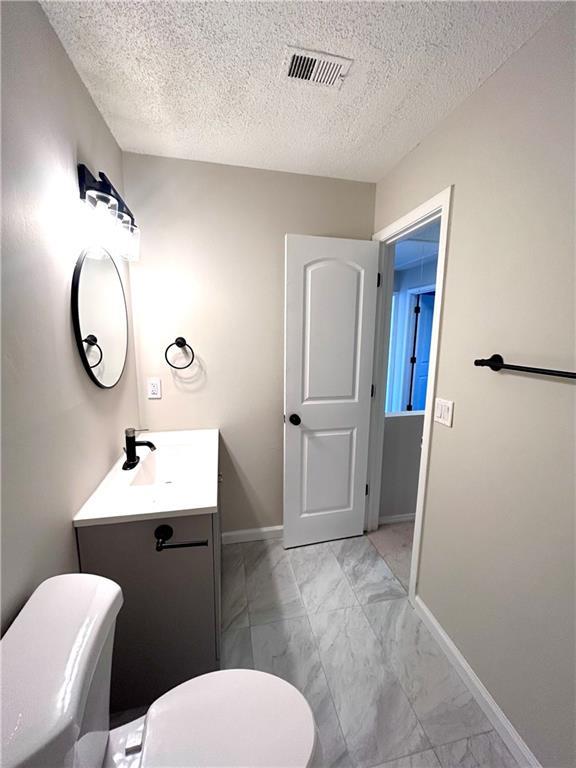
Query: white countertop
[{"x": 179, "y": 478}]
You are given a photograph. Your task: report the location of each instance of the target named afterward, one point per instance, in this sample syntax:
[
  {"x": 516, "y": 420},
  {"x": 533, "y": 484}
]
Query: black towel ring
[
  {"x": 92, "y": 341},
  {"x": 180, "y": 342}
]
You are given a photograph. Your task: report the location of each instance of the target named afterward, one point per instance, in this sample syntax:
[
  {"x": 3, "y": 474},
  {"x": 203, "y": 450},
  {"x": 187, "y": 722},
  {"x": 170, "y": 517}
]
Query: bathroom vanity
[{"x": 155, "y": 531}]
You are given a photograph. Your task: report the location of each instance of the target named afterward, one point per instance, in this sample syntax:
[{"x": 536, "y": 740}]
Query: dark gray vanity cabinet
[{"x": 168, "y": 628}]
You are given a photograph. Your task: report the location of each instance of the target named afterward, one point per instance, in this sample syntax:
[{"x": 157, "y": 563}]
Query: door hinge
[
  {"x": 378, "y": 280},
  {"x": 416, "y": 310},
  {"x": 367, "y": 489},
  {"x": 412, "y": 360},
  {"x": 372, "y": 390}
]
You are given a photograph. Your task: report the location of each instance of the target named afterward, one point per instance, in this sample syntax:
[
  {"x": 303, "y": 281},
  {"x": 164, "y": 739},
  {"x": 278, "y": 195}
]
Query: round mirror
[{"x": 100, "y": 317}]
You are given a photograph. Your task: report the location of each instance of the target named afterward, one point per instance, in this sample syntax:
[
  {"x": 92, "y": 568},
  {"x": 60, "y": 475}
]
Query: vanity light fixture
[{"x": 104, "y": 201}]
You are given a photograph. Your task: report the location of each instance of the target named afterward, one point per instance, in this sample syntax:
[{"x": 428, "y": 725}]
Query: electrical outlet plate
[
  {"x": 443, "y": 411},
  {"x": 154, "y": 388}
]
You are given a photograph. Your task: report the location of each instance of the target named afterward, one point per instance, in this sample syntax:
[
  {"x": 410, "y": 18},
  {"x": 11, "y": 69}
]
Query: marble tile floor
[
  {"x": 334, "y": 620},
  {"x": 394, "y": 543}
]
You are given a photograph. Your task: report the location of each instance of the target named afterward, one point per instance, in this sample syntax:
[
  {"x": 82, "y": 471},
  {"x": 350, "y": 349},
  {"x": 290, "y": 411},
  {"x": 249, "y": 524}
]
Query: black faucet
[{"x": 131, "y": 457}]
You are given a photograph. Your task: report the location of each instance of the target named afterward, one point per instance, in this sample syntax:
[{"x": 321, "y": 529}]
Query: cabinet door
[{"x": 166, "y": 629}]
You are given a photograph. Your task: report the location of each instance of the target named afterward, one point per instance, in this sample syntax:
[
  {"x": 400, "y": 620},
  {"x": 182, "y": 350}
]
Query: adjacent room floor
[
  {"x": 334, "y": 620},
  {"x": 394, "y": 542}
]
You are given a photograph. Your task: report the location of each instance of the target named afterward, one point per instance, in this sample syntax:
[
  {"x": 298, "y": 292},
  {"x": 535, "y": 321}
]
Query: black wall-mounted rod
[{"x": 496, "y": 363}]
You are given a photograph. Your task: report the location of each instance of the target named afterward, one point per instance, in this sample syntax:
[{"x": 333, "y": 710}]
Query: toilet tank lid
[{"x": 48, "y": 657}]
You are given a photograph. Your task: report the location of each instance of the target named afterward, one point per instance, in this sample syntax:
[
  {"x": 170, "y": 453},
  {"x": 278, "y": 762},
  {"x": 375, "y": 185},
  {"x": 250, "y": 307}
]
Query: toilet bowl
[{"x": 56, "y": 664}]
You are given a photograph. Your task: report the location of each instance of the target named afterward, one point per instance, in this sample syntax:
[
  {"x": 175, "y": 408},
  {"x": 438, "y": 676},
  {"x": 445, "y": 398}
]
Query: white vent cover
[{"x": 315, "y": 67}]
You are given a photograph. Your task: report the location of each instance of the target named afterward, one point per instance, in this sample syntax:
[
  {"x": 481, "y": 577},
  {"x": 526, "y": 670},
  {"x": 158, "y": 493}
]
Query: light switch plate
[
  {"x": 154, "y": 388},
  {"x": 443, "y": 411}
]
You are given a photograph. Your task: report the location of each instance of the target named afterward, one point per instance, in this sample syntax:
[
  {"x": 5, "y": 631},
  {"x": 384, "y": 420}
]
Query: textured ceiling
[{"x": 205, "y": 80}]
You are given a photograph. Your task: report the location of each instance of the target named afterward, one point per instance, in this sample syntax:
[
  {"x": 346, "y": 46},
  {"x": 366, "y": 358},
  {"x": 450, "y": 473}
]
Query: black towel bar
[{"x": 496, "y": 363}]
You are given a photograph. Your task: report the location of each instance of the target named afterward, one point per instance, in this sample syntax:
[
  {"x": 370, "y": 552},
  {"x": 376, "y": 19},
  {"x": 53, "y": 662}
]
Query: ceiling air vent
[{"x": 318, "y": 68}]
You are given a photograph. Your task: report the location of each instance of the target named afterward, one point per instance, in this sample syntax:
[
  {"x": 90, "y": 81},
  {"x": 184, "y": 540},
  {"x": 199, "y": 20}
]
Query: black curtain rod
[{"x": 496, "y": 363}]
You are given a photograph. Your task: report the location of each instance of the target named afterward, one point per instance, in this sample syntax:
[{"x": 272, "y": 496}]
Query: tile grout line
[
  {"x": 315, "y": 639},
  {"x": 343, "y": 572},
  {"x": 241, "y": 545},
  {"x": 469, "y": 738},
  {"x": 237, "y": 630},
  {"x": 476, "y": 764},
  {"x": 405, "y": 597},
  {"x": 464, "y": 738},
  {"x": 386, "y": 563},
  {"x": 320, "y": 659},
  {"x": 243, "y": 559},
  {"x": 308, "y": 615},
  {"x": 392, "y": 597},
  {"x": 250, "y": 617},
  {"x": 381, "y": 556},
  {"x": 432, "y": 746},
  {"x": 379, "y": 644},
  {"x": 244, "y": 569},
  {"x": 307, "y": 612},
  {"x": 393, "y": 673}
]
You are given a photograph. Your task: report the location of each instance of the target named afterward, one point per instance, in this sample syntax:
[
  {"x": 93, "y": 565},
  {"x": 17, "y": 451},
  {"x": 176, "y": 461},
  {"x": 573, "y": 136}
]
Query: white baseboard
[
  {"x": 396, "y": 519},
  {"x": 253, "y": 534},
  {"x": 501, "y": 724}
]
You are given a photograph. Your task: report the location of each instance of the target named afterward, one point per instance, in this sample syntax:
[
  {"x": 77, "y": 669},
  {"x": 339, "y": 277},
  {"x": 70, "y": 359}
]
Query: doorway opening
[
  {"x": 415, "y": 260},
  {"x": 412, "y": 260}
]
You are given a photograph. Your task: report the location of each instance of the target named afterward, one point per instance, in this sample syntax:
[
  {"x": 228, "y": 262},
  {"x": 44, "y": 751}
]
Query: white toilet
[{"x": 56, "y": 663}]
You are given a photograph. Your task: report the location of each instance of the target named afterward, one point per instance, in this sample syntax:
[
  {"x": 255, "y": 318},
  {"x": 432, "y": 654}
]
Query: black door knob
[{"x": 294, "y": 419}]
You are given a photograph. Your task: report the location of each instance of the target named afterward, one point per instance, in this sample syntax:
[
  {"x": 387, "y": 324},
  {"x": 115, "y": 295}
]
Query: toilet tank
[{"x": 55, "y": 674}]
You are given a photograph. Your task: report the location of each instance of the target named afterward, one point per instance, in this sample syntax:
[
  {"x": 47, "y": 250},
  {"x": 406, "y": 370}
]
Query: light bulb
[
  {"x": 134, "y": 243},
  {"x": 124, "y": 220},
  {"x": 101, "y": 221},
  {"x": 122, "y": 240},
  {"x": 102, "y": 202}
]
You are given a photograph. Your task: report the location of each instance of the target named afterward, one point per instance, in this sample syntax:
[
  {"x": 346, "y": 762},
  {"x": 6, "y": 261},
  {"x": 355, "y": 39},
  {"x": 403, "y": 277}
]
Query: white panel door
[{"x": 330, "y": 311}]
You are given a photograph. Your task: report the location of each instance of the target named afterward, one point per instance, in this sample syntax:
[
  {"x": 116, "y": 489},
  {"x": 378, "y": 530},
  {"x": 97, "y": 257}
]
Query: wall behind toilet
[
  {"x": 60, "y": 433},
  {"x": 212, "y": 270}
]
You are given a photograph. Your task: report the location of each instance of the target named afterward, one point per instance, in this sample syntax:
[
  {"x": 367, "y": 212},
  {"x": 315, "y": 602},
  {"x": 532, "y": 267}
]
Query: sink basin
[
  {"x": 180, "y": 477},
  {"x": 165, "y": 466}
]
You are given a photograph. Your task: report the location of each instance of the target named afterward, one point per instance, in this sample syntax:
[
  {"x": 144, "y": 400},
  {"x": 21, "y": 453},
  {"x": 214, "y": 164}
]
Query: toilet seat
[{"x": 232, "y": 718}]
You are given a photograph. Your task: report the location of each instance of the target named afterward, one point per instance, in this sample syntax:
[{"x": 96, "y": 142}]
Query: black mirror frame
[{"x": 76, "y": 319}]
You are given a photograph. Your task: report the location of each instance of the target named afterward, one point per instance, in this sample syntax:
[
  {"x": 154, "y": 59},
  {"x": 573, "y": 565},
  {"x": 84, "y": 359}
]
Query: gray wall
[
  {"x": 400, "y": 464},
  {"x": 60, "y": 433},
  {"x": 212, "y": 270},
  {"x": 497, "y": 566}
]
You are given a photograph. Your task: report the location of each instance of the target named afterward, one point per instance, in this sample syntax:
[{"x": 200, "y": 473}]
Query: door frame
[{"x": 434, "y": 208}]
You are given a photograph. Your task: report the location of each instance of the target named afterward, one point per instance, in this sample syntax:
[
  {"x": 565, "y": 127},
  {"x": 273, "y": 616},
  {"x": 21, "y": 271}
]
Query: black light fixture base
[{"x": 87, "y": 181}]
